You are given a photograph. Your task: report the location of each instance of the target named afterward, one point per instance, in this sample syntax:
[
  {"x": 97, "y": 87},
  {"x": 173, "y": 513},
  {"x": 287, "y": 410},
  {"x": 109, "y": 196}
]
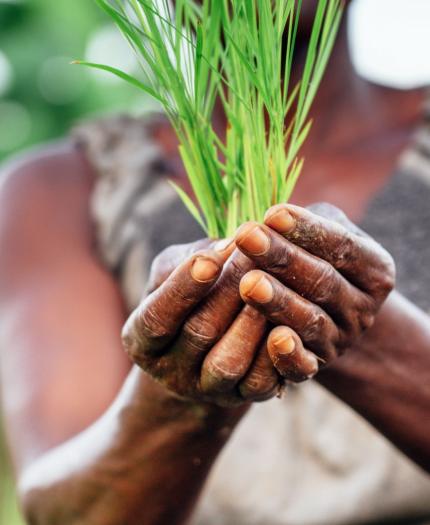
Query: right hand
[{"x": 194, "y": 335}]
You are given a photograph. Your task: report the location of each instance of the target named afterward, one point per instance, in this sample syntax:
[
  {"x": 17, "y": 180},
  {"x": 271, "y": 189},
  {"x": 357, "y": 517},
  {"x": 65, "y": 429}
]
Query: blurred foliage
[
  {"x": 9, "y": 514},
  {"x": 42, "y": 95}
]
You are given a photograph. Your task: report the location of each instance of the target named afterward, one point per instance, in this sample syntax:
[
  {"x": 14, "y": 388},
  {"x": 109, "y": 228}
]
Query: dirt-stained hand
[
  {"x": 320, "y": 280},
  {"x": 194, "y": 334}
]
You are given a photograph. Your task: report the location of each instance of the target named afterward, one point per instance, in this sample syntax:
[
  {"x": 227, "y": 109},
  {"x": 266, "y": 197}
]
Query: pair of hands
[{"x": 227, "y": 323}]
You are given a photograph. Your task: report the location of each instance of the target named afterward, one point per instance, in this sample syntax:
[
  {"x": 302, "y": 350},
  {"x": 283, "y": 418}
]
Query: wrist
[{"x": 143, "y": 402}]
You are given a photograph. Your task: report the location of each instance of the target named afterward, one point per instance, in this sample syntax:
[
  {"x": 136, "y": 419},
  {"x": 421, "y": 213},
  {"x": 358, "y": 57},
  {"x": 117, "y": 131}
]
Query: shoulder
[
  {"x": 43, "y": 191},
  {"x": 46, "y": 231}
]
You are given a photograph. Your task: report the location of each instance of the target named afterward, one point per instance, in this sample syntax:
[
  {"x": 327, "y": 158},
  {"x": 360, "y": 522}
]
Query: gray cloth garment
[
  {"x": 399, "y": 218},
  {"x": 306, "y": 459}
]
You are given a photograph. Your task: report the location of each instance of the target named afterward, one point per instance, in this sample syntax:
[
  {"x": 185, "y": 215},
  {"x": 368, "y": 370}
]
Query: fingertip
[
  {"x": 252, "y": 238},
  {"x": 289, "y": 357},
  {"x": 280, "y": 219},
  {"x": 281, "y": 341},
  {"x": 244, "y": 228},
  {"x": 205, "y": 268},
  {"x": 255, "y": 286}
]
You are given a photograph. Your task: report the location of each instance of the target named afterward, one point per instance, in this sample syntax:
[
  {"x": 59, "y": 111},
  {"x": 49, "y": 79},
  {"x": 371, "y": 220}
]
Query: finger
[
  {"x": 289, "y": 356},
  {"x": 170, "y": 258},
  {"x": 360, "y": 259},
  {"x": 308, "y": 275},
  {"x": 283, "y": 306},
  {"x": 229, "y": 360},
  {"x": 157, "y": 319},
  {"x": 262, "y": 380},
  {"x": 209, "y": 321},
  {"x": 225, "y": 247}
]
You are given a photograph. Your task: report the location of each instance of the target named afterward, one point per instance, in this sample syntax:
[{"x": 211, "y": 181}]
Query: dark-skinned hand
[
  {"x": 194, "y": 334},
  {"x": 298, "y": 291},
  {"x": 320, "y": 281}
]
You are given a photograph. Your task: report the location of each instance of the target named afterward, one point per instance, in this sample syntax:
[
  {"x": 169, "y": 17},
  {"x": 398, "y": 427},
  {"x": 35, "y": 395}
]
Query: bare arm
[
  {"x": 54, "y": 334},
  {"x": 82, "y": 454},
  {"x": 143, "y": 462},
  {"x": 386, "y": 377}
]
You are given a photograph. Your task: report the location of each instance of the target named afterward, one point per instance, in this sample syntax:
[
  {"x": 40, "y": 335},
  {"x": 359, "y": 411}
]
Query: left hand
[{"x": 320, "y": 281}]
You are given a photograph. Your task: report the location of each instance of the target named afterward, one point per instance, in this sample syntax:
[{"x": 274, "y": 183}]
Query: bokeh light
[
  {"x": 392, "y": 50},
  {"x": 108, "y": 46}
]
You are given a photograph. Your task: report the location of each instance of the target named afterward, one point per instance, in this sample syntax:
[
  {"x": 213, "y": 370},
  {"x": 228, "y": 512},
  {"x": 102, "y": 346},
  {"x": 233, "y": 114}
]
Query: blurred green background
[{"x": 42, "y": 95}]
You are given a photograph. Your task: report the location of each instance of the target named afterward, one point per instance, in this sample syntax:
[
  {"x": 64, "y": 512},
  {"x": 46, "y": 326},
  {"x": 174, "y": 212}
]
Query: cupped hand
[
  {"x": 193, "y": 333},
  {"x": 319, "y": 279}
]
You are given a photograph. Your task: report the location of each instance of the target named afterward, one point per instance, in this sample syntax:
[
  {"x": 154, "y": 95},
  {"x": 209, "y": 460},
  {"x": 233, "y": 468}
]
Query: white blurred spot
[
  {"x": 107, "y": 46},
  {"x": 60, "y": 82},
  {"x": 15, "y": 125},
  {"x": 5, "y": 74},
  {"x": 389, "y": 41}
]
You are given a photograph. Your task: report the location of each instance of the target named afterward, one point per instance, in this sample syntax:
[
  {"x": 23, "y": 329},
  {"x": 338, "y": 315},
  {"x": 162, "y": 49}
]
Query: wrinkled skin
[
  {"x": 193, "y": 333},
  {"x": 294, "y": 294}
]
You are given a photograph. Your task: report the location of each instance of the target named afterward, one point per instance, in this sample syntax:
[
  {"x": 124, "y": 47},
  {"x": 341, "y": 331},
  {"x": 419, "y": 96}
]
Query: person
[{"x": 221, "y": 325}]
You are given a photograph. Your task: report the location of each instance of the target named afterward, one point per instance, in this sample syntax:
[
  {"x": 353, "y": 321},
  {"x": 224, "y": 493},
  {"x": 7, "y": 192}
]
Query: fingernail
[
  {"x": 284, "y": 344},
  {"x": 224, "y": 245},
  {"x": 281, "y": 220},
  {"x": 256, "y": 287},
  {"x": 204, "y": 269},
  {"x": 253, "y": 239}
]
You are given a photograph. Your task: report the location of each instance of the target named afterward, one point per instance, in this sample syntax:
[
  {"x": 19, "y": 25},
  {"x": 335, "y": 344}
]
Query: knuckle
[
  {"x": 383, "y": 283},
  {"x": 131, "y": 341},
  {"x": 149, "y": 324},
  {"x": 278, "y": 259},
  {"x": 326, "y": 284},
  {"x": 388, "y": 273},
  {"x": 358, "y": 316},
  {"x": 131, "y": 347},
  {"x": 200, "y": 331},
  {"x": 259, "y": 387},
  {"x": 141, "y": 334},
  {"x": 221, "y": 370},
  {"x": 321, "y": 334},
  {"x": 346, "y": 251},
  {"x": 238, "y": 266},
  {"x": 316, "y": 325},
  {"x": 381, "y": 272}
]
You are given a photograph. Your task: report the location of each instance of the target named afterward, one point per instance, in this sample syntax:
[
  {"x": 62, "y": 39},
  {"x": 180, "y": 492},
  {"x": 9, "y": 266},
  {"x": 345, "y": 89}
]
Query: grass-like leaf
[{"x": 240, "y": 52}]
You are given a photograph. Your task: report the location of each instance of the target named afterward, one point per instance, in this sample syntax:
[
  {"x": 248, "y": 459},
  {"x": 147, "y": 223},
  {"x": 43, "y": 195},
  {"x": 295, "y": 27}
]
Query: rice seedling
[{"x": 240, "y": 53}]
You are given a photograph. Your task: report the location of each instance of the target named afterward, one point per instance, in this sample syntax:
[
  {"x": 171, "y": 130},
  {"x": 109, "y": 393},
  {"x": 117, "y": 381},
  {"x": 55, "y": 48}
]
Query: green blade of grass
[{"x": 233, "y": 52}]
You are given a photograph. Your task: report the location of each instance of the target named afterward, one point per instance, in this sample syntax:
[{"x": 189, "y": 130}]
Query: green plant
[{"x": 240, "y": 52}]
